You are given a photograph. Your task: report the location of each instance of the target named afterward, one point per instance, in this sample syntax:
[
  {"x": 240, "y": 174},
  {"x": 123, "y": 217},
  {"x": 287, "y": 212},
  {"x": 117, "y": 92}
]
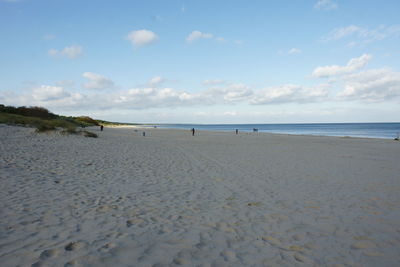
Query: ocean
[{"x": 370, "y": 130}]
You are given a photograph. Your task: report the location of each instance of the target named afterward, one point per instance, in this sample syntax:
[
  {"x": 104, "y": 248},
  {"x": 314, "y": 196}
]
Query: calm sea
[{"x": 372, "y": 130}]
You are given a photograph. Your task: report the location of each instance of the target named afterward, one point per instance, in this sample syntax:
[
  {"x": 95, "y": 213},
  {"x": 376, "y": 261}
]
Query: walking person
[
  {"x": 101, "y": 127},
  {"x": 193, "y": 131}
]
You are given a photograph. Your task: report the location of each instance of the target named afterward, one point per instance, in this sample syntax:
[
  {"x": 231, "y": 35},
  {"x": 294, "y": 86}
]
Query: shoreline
[
  {"x": 358, "y": 130},
  {"x": 151, "y": 127},
  {"x": 259, "y": 133}
]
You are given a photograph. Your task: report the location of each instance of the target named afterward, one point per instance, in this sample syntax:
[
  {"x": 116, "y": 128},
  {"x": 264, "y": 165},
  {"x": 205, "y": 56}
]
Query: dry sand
[{"x": 215, "y": 199}]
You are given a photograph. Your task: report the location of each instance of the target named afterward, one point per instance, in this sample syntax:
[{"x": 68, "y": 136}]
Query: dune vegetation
[{"x": 43, "y": 120}]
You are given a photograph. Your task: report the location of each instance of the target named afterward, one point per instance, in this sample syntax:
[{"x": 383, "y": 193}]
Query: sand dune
[{"x": 215, "y": 199}]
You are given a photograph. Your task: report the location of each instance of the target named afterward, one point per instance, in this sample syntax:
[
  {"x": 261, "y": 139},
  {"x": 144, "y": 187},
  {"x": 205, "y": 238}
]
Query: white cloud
[
  {"x": 213, "y": 82},
  {"x": 290, "y": 93},
  {"x": 157, "y": 80},
  {"x": 97, "y": 81},
  {"x": 232, "y": 93},
  {"x": 375, "y": 85},
  {"x": 47, "y": 93},
  {"x": 132, "y": 99},
  {"x": 325, "y": 5},
  {"x": 195, "y": 35},
  {"x": 69, "y": 101},
  {"x": 353, "y": 65},
  {"x": 142, "y": 98},
  {"x": 139, "y": 98},
  {"x": 141, "y": 37},
  {"x": 153, "y": 97},
  {"x": 73, "y": 51},
  {"x": 364, "y": 35},
  {"x": 294, "y": 51}
]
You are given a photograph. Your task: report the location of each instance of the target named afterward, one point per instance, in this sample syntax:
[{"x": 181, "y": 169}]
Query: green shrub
[
  {"x": 86, "y": 120},
  {"x": 44, "y": 121},
  {"x": 38, "y": 112},
  {"x": 69, "y": 130},
  {"x": 44, "y": 128}
]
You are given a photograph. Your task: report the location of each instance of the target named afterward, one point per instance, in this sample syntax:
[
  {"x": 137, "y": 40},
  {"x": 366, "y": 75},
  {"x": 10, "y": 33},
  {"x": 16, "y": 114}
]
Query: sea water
[{"x": 371, "y": 130}]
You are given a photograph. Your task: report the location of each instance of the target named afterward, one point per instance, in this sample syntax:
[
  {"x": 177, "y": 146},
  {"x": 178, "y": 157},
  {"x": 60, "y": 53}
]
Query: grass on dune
[{"x": 44, "y": 121}]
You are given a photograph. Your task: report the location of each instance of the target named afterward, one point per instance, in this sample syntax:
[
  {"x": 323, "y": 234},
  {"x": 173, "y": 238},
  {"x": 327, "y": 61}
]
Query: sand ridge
[{"x": 215, "y": 199}]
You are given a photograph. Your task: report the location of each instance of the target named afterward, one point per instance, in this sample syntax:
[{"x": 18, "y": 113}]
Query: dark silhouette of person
[
  {"x": 101, "y": 127},
  {"x": 193, "y": 131},
  {"x": 237, "y": 131}
]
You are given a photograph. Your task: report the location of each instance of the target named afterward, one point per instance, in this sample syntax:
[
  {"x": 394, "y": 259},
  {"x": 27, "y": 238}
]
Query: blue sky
[{"x": 203, "y": 61}]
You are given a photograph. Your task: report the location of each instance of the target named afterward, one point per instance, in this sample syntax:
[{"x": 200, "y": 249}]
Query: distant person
[
  {"x": 193, "y": 131},
  {"x": 237, "y": 131},
  {"x": 101, "y": 127},
  {"x": 144, "y": 133}
]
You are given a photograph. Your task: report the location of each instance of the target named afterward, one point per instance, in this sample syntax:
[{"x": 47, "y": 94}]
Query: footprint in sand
[
  {"x": 229, "y": 255},
  {"x": 298, "y": 237},
  {"x": 254, "y": 204},
  {"x": 180, "y": 261},
  {"x": 103, "y": 208},
  {"x": 271, "y": 240},
  {"x": 49, "y": 253},
  {"x": 301, "y": 258},
  {"x": 310, "y": 246},
  {"x": 38, "y": 264},
  {"x": 74, "y": 246},
  {"x": 132, "y": 222},
  {"x": 71, "y": 263},
  {"x": 107, "y": 247}
]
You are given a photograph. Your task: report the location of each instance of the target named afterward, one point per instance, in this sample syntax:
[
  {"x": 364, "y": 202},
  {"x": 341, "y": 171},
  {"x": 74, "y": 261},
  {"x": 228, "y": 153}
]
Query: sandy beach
[{"x": 214, "y": 199}]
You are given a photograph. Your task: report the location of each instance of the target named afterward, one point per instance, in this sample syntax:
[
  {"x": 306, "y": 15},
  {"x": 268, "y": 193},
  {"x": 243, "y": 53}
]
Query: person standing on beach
[
  {"x": 101, "y": 127},
  {"x": 193, "y": 131},
  {"x": 237, "y": 131}
]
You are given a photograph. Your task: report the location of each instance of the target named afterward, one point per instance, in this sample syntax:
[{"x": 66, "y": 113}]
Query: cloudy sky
[{"x": 204, "y": 61}]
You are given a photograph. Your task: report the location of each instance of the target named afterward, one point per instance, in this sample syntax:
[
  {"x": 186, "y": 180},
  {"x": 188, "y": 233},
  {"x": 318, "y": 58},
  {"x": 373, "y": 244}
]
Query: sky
[{"x": 275, "y": 61}]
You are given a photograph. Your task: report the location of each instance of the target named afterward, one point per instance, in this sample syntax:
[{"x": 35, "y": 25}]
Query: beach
[{"x": 214, "y": 199}]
